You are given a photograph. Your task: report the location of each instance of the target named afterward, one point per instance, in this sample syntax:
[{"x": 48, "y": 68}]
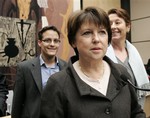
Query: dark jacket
[
  {"x": 28, "y": 89},
  {"x": 67, "y": 96},
  {"x": 3, "y": 95}
]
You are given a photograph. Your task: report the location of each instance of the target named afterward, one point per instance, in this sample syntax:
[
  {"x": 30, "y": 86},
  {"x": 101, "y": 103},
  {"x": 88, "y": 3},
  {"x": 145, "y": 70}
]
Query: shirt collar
[{"x": 42, "y": 63}]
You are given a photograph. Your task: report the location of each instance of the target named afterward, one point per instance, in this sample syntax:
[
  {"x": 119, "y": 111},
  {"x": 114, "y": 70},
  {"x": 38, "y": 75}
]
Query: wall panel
[
  {"x": 140, "y": 22},
  {"x": 104, "y": 4}
]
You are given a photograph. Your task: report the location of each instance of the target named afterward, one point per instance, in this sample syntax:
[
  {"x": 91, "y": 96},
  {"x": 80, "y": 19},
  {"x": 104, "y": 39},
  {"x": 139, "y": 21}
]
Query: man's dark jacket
[{"x": 28, "y": 89}]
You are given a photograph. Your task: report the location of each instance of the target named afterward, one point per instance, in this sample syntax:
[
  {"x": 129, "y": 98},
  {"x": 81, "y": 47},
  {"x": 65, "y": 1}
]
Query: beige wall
[
  {"x": 104, "y": 4},
  {"x": 140, "y": 28}
]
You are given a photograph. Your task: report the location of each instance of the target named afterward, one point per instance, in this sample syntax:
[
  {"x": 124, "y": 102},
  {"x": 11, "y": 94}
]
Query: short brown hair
[
  {"x": 44, "y": 29},
  {"x": 89, "y": 14}
]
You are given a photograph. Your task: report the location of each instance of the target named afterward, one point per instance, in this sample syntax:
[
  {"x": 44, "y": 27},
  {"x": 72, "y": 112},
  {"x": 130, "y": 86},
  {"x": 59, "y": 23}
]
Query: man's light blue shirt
[{"x": 47, "y": 71}]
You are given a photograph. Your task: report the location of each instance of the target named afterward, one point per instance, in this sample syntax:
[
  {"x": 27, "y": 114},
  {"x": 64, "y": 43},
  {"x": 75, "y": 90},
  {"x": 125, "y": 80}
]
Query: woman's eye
[
  {"x": 87, "y": 33},
  {"x": 102, "y": 32},
  {"x": 118, "y": 22}
]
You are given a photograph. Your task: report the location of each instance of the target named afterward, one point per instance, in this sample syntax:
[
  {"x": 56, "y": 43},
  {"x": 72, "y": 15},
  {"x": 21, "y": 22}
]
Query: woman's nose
[
  {"x": 113, "y": 25},
  {"x": 96, "y": 38}
]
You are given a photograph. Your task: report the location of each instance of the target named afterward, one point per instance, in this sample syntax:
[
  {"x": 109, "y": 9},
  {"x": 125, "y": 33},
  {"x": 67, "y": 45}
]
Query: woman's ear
[
  {"x": 128, "y": 27},
  {"x": 74, "y": 45}
]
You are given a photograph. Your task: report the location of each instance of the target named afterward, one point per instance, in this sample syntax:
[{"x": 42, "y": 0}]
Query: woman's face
[
  {"x": 91, "y": 41},
  {"x": 119, "y": 28}
]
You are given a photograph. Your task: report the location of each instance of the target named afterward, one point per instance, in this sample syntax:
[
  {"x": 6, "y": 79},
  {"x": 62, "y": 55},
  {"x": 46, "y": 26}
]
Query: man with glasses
[{"x": 32, "y": 75}]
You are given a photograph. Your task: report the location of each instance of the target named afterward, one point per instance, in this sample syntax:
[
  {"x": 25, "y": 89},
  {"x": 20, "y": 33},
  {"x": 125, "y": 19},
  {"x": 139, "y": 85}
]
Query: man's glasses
[{"x": 48, "y": 41}]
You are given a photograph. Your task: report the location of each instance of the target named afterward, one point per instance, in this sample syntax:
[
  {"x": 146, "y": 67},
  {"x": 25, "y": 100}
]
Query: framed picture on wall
[{"x": 17, "y": 40}]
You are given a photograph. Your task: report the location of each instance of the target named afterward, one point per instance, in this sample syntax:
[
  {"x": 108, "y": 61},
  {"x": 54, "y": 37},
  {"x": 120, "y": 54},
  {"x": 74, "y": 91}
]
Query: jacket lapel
[
  {"x": 36, "y": 72},
  {"x": 113, "y": 88},
  {"x": 115, "y": 82}
]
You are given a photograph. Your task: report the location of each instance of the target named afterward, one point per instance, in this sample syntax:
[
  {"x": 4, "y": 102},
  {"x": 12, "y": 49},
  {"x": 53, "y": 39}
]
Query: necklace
[{"x": 90, "y": 78}]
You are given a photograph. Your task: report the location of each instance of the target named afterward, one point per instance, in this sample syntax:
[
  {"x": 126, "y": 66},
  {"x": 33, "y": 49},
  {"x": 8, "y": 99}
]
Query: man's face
[{"x": 49, "y": 43}]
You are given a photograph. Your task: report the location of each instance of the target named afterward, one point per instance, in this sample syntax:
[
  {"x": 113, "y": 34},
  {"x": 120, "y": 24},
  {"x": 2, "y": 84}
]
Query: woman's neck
[
  {"x": 93, "y": 70},
  {"x": 120, "y": 51},
  {"x": 118, "y": 45}
]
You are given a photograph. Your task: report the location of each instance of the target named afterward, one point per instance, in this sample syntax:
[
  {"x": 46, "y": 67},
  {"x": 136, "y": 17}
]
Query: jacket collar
[{"x": 114, "y": 86}]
